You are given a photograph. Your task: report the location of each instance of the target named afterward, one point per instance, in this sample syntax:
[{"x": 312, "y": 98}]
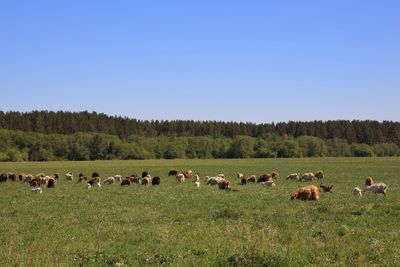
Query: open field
[{"x": 180, "y": 225}]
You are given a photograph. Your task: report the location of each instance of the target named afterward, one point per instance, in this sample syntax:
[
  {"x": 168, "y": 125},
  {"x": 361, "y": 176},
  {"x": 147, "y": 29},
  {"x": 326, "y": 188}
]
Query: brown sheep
[
  {"x": 243, "y": 180},
  {"x": 12, "y": 176},
  {"x": 369, "y": 181},
  {"x": 145, "y": 173},
  {"x": 265, "y": 177},
  {"x": 223, "y": 185},
  {"x": 134, "y": 179},
  {"x": 319, "y": 175},
  {"x": 35, "y": 182},
  {"x": 126, "y": 181},
  {"x": 309, "y": 192},
  {"x": 274, "y": 175},
  {"x": 81, "y": 177},
  {"x": 188, "y": 173},
  {"x": 95, "y": 174}
]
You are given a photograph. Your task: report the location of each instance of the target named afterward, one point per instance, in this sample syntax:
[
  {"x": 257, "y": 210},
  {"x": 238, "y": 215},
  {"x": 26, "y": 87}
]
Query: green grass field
[{"x": 180, "y": 225}]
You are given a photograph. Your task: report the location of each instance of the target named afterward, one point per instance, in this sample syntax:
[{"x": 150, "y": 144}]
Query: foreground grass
[{"x": 179, "y": 225}]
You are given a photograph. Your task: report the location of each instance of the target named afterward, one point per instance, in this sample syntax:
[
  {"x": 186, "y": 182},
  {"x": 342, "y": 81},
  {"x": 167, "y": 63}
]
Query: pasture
[{"x": 179, "y": 225}]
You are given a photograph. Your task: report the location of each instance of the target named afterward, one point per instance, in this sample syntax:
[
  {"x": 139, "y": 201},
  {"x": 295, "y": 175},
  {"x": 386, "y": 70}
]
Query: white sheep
[
  {"x": 197, "y": 180},
  {"x": 69, "y": 176},
  {"x": 36, "y": 190},
  {"x": 109, "y": 180},
  {"x": 146, "y": 180},
  {"x": 180, "y": 177},
  {"x": 377, "y": 188},
  {"x": 357, "y": 192},
  {"x": 214, "y": 180},
  {"x": 293, "y": 176},
  {"x": 118, "y": 178},
  {"x": 307, "y": 177},
  {"x": 268, "y": 183}
]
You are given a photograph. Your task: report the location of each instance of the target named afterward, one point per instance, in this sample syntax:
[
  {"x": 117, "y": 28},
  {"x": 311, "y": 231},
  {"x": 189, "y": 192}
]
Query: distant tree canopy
[{"x": 46, "y": 135}]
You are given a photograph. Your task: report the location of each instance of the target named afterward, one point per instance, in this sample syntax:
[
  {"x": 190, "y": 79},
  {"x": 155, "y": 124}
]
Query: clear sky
[{"x": 257, "y": 61}]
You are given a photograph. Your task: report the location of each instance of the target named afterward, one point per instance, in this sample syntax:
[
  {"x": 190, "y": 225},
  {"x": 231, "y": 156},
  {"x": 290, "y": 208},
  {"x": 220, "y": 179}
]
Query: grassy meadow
[{"x": 180, "y": 225}]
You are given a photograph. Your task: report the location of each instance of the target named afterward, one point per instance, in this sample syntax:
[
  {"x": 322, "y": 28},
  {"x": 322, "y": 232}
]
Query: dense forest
[{"x": 47, "y": 135}]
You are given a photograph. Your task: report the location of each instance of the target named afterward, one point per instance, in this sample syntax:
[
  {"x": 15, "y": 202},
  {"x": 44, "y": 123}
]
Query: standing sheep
[
  {"x": 357, "y": 192},
  {"x": 378, "y": 188}
]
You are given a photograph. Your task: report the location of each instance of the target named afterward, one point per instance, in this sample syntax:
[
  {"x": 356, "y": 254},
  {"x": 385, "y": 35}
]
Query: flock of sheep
[{"x": 309, "y": 192}]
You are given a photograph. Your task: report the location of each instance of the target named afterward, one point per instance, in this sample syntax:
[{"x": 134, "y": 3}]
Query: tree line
[
  {"x": 31, "y": 146},
  {"x": 60, "y": 122}
]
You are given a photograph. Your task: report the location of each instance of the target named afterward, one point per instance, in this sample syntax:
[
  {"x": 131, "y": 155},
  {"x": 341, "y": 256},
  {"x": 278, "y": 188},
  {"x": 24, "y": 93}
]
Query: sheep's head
[{"x": 294, "y": 195}]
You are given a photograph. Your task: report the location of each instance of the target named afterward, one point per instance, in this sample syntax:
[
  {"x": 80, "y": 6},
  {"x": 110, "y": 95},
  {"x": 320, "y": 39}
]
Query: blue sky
[{"x": 258, "y": 61}]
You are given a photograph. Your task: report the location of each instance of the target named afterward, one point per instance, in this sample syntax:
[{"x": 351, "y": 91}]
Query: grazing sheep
[
  {"x": 377, "y": 188},
  {"x": 3, "y": 177},
  {"x": 146, "y": 180},
  {"x": 357, "y": 192},
  {"x": 240, "y": 175},
  {"x": 37, "y": 189},
  {"x": 109, "y": 180},
  {"x": 12, "y": 176},
  {"x": 197, "y": 180},
  {"x": 69, "y": 176},
  {"x": 35, "y": 182},
  {"x": 22, "y": 177},
  {"x": 252, "y": 179},
  {"x": 307, "y": 177},
  {"x": 145, "y": 173},
  {"x": 134, "y": 179},
  {"x": 51, "y": 183},
  {"x": 268, "y": 183},
  {"x": 56, "y": 176},
  {"x": 40, "y": 175},
  {"x": 274, "y": 175},
  {"x": 293, "y": 176},
  {"x": 369, "y": 181},
  {"x": 265, "y": 177},
  {"x": 29, "y": 178},
  {"x": 81, "y": 177},
  {"x": 173, "y": 172},
  {"x": 309, "y": 192},
  {"x": 319, "y": 175},
  {"x": 188, "y": 173},
  {"x": 126, "y": 181},
  {"x": 326, "y": 188},
  {"x": 180, "y": 177},
  {"x": 243, "y": 180},
  {"x": 156, "y": 180},
  {"x": 118, "y": 178},
  {"x": 95, "y": 181},
  {"x": 214, "y": 180},
  {"x": 223, "y": 185}
]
